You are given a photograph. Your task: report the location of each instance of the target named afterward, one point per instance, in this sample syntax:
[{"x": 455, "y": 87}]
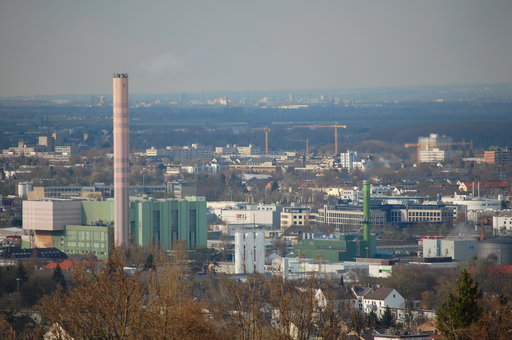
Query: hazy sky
[{"x": 73, "y": 47}]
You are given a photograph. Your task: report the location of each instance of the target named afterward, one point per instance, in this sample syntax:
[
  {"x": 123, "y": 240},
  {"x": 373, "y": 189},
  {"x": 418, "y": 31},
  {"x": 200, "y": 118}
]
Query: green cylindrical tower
[{"x": 366, "y": 212}]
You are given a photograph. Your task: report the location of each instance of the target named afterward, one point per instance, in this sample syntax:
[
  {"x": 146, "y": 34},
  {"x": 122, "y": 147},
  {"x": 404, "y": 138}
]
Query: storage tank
[
  {"x": 500, "y": 247},
  {"x": 239, "y": 253},
  {"x": 23, "y": 189},
  {"x": 260, "y": 252},
  {"x": 249, "y": 252}
]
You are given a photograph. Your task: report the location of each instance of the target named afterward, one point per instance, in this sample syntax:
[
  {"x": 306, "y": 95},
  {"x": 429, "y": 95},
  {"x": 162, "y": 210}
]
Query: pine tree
[
  {"x": 386, "y": 320},
  {"x": 460, "y": 309},
  {"x": 58, "y": 276},
  {"x": 371, "y": 320},
  {"x": 149, "y": 262},
  {"x": 21, "y": 272}
]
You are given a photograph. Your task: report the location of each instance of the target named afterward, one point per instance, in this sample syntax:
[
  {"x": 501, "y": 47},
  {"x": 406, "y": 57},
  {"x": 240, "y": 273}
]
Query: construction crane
[
  {"x": 267, "y": 130},
  {"x": 307, "y": 145},
  {"x": 426, "y": 147},
  {"x": 336, "y": 126}
]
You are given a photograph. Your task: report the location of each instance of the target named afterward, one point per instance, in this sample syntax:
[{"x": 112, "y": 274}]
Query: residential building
[
  {"x": 497, "y": 155},
  {"x": 502, "y": 225},
  {"x": 434, "y": 148},
  {"x": 237, "y": 150},
  {"x": 156, "y": 152},
  {"x": 295, "y": 216},
  {"x": 46, "y": 141},
  {"x": 21, "y": 150},
  {"x": 382, "y": 298},
  {"x": 65, "y": 149},
  {"x": 191, "y": 152}
]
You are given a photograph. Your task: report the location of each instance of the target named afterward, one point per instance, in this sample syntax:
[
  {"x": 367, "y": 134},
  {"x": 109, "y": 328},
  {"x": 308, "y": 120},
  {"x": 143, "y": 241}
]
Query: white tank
[
  {"x": 260, "y": 252},
  {"x": 23, "y": 189},
  {"x": 249, "y": 253},
  {"x": 239, "y": 253},
  {"x": 285, "y": 268}
]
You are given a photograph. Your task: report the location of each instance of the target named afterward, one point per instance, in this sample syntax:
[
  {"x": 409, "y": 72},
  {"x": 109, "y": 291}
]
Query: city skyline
[{"x": 226, "y": 45}]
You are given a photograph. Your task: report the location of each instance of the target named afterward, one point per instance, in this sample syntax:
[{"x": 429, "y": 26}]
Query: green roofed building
[{"x": 345, "y": 248}]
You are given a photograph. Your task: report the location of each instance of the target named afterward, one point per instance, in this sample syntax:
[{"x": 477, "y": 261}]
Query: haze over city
[
  {"x": 313, "y": 170},
  {"x": 59, "y": 47}
]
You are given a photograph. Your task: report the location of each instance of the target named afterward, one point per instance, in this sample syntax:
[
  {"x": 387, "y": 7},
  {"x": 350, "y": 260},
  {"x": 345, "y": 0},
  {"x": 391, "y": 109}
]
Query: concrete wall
[
  {"x": 83, "y": 240},
  {"x": 459, "y": 249},
  {"x": 380, "y": 271},
  {"x": 50, "y": 215},
  {"x": 271, "y": 217},
  {"x": 431, "y": 247}
]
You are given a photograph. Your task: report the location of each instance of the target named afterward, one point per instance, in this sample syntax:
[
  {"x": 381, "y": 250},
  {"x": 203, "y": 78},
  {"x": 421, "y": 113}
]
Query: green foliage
[
  {"x": 460, "y": 309},
  {"x": 387, "y": 320},
  {"x": 372, "y": 320},
  {"x": 413, "y": 282}
]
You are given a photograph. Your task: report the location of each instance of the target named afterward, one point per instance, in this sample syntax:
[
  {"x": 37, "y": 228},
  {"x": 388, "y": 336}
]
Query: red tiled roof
[
  {"x": 64, "y": 265},
  {"x": 495, "y": 270},
  {"x": 67, "y": 264}
]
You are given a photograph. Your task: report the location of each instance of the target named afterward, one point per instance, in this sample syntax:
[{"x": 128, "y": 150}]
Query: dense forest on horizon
[{"x": 482, "y": 123}]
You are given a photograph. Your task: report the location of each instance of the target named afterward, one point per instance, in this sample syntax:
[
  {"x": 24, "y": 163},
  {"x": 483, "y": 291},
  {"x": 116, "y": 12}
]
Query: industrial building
[
  {"x": 500, "y": 248},
  {"x": 98, "y": 190},
  {"x": 342, "y": 247},
  {"x": 249, "y": 252},
  {"x": 347, "y": 217},
  {"x": 268, "y": 215},
  {"x": 85, "y": 227},
  {"x": 457, "y": 249}
]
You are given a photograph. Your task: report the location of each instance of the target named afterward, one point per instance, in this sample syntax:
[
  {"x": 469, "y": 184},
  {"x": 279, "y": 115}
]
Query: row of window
[
  {"x": 88, "y": 245},
  {"x": 85, "y": 235}
]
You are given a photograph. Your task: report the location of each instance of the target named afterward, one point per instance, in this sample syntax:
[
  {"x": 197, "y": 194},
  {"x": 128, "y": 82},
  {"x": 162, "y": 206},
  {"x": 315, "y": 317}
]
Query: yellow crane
[
  {"x": 336, "y": 126},
  {"x": 267, "y": 130}
]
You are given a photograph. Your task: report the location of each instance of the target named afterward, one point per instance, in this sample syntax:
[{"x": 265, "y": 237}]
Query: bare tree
[{"x": 111, "y": 303}]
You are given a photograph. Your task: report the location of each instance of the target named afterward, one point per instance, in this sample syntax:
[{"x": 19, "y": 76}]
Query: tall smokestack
[
  {"x": 121, "y": 159},
  {"x": 366, "y": 211}
]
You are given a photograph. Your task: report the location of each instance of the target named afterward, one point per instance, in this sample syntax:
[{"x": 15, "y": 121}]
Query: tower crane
[
  {"x": 335, "y": 126},
  {"x": 307, "y": 145},
  {"x": 267, "y": 130}
]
